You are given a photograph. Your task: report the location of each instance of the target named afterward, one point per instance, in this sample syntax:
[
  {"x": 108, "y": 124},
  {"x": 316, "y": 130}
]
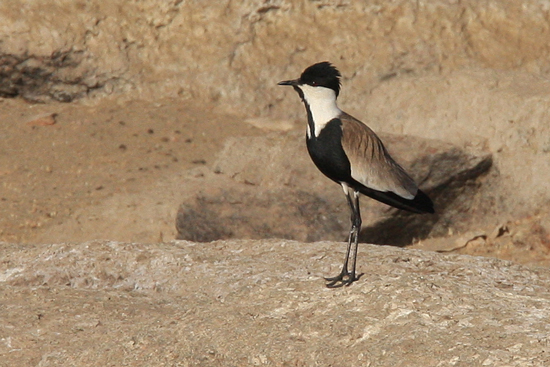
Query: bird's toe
[{"x": 343, "y": 279}]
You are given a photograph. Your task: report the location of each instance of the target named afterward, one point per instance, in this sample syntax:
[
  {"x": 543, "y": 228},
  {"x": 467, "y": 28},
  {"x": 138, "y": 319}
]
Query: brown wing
[{"x": 371, "y": 164}]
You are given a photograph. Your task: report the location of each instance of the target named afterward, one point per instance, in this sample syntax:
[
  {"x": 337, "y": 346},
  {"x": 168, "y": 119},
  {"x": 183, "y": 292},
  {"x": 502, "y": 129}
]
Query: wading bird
[{"x": 349, "y": 153}]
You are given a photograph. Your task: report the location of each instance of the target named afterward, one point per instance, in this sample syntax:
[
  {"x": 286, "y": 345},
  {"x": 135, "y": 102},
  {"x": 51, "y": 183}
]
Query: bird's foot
[{"x": 345, "y": 278}]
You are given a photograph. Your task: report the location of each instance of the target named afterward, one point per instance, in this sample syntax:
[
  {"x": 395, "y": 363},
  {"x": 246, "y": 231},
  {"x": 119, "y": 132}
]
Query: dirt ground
[{"x": 58, "y": 158}]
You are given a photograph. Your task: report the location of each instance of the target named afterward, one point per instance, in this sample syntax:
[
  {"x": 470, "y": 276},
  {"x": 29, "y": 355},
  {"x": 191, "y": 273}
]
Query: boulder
[{"x": 273, "y": 190}]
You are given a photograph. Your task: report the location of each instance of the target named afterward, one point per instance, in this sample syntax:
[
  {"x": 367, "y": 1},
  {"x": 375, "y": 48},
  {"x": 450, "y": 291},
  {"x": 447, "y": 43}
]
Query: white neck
[{"x": 322, "y": 104}]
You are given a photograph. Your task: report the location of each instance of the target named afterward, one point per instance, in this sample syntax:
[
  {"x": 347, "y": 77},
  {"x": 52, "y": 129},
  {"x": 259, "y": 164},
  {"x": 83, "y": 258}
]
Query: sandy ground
[{"x": 51, "y": 167}]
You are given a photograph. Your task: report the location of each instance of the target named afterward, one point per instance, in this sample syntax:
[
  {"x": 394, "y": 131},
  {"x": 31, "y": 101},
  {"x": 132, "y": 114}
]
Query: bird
[{"x": 351, "y": 154}]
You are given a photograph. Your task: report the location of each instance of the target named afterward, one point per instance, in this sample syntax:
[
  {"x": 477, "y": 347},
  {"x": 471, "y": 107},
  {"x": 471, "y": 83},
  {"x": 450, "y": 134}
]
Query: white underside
[
  {"x": 347, "y": 189},
  {"x": 322, "y": 104}
]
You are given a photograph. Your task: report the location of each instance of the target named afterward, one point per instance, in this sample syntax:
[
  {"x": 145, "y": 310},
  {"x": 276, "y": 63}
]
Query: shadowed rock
[
  {"x": 451, "y": 182},
  {"x": 56, "y": 77},
  {"x": 256, "y": 214},
  {"x": 276, "y": 191}
]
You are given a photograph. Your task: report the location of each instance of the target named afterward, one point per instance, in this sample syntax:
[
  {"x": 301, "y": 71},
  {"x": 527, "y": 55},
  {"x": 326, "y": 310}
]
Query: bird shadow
[
  {"x": 454, "y": 193},
  {"x": 400, "y": 230},
  {"x": 342, "y": 284}
]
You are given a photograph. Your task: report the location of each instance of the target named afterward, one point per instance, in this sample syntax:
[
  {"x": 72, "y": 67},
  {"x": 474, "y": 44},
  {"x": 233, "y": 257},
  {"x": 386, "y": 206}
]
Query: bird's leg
[
  {"x": 355, "y": 228},
  {"x": 347, "y": 277}
]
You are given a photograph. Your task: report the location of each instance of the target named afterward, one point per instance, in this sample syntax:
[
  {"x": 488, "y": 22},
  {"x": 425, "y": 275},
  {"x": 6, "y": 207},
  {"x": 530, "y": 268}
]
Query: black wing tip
[{"x": 423, "y": 203}]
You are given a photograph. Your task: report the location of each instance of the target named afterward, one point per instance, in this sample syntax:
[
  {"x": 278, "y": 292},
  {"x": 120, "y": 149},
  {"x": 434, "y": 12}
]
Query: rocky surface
[
  {"x": 68, "y": 49},
  {"x": 264, "y": 303}
]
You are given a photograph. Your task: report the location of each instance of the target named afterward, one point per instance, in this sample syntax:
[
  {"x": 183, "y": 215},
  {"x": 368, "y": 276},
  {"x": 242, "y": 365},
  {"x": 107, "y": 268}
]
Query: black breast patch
[{"x": 327, "y": 153}]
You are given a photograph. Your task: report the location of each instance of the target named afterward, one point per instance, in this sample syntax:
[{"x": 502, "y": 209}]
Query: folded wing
[{"x": 371, "y": 164}]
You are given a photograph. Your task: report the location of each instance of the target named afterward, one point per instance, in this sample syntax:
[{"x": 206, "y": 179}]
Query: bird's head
[{"x": 316, "y": 79}]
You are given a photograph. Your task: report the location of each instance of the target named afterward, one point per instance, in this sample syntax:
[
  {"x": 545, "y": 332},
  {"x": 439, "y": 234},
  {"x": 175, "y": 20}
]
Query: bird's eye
[{"x": 314, "y": 83}]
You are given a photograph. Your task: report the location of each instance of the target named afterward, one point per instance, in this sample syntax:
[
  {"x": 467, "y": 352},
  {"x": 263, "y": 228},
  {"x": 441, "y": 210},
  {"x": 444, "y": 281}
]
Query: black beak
[{"x": 293, "y": 83}]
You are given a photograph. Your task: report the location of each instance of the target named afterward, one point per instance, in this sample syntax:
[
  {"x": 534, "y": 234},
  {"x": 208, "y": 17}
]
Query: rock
[
  {"x": 525, "y": 240},
  {"x": 232, "y": 52},
  {"x": 43, "y": 78},
  {"x": 264, "y": 302},
  {"x": 44, "y": 119},
  {"x": 277, "y": 192},
  {"x": 266, "y": 123},
  {"x": 251, "y": 212},
  {"x": 451, "y": 177},
  {"x": 505, "y": 111}
]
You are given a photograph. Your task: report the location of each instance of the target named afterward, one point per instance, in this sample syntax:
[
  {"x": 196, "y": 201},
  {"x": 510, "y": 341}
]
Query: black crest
[{"x": 322, "y": 74}]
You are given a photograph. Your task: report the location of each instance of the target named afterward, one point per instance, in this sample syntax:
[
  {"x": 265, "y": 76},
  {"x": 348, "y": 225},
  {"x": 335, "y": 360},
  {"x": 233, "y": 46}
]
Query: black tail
[{"x": 420, "y": 204}]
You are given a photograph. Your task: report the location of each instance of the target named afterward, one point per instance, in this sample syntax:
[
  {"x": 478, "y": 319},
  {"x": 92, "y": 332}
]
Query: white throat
[{"x": 322, "y": 104}]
